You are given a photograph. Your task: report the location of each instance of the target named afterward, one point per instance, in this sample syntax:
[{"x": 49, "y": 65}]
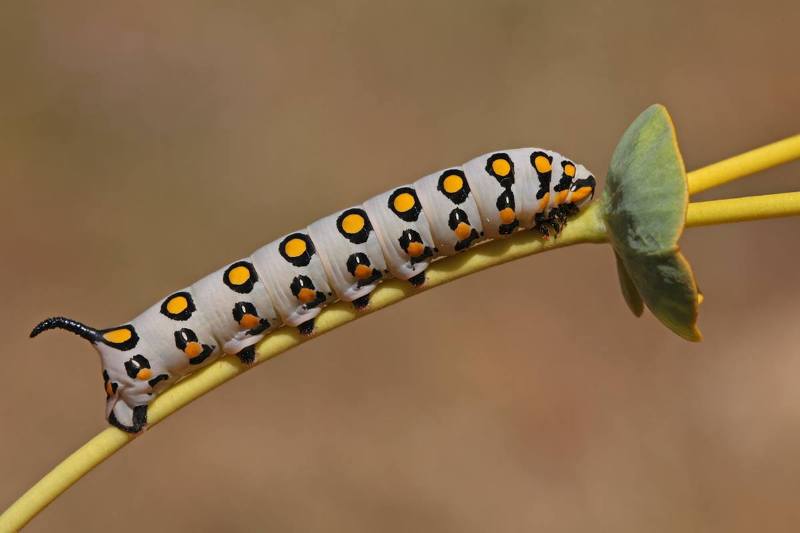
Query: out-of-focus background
[{"x": 143, "y": 146}]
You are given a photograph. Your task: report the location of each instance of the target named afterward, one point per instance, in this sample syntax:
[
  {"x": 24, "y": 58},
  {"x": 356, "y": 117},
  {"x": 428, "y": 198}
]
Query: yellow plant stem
[
  {"x": 743, "y": 209},
  {"x": 586, "y": 228},
  {"x": 744, "y": 164}
]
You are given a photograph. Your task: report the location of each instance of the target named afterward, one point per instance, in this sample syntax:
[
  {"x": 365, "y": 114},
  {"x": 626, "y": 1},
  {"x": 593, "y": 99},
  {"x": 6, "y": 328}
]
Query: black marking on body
[
  {"x": 304, "y": 282},
  {"x": 565, "y": 181},
  {"x": 410, "y": 236},
  {"x": 185, "y": 336},
  {"x": 458, "y": 216},
  {"x": 138, "y": 422},
  {"x": 544, "y": 177},
  {"x": 507, "y": 180},
  {"x": 135, "y": 364},
  {"x": 360, "y": 259},
  {"x": 374, "y": 277},
  {"x": 108, "y": 384},
  {"x": 240, "y": 309},
  {"x": 156, "y": 380},
  {"x": 506, "y": 201},
  {"x": 124, "y": 346},
  {"x": 588, "y": 181},
  {"x": 466, "y": 243}
]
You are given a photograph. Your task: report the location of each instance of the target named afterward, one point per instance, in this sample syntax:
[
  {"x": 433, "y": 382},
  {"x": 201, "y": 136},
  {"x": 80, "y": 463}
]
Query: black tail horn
[{"x": 90, "y": 334}]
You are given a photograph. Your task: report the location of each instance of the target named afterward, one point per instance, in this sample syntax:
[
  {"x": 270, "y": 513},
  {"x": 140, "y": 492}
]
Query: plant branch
[
  {"x": 743, "y": 209},
  {"x": 585, "y": 228},
  {"x": 742, "y": 165}
]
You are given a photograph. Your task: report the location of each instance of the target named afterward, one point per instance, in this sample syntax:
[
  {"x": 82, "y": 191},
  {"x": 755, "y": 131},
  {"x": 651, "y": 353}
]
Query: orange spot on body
[
  {"x": 544, "y": 202},
  {"x": 453, "y": 183},
  {"x": 306, "y": 295},
  {"x": 462, "y": 231},
  {"x": 117, "y": 336},
  {"x": 295, "y": 247},
  {"x": 144, "y": 374},
  {"x": 109, "y": 389},
  {"x": 353, "y": 223},
  {"x": 249, "y": 321},
  {"x": 569, "y": 170},
  {"x": 177, "y": 305},
  {"x": 415, "y": 249},
  {"x": 404, "y": 202},
  {"x": 507, "y": 215},
  {"x": 542, "y": 164},
  {"x": 562, "y": 196},
  {"x": 501, "y": 167},
  {"x": 239, "y": 275},
  {"x": 581, "y": 193},
  {"x": 362, "y": 272},
  {"x": 193, "y": 349}
]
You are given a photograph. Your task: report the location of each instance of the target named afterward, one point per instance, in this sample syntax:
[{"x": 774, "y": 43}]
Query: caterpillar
[{"x": 343, "y": 256}]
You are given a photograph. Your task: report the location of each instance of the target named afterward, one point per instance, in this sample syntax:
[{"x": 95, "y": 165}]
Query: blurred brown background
[{"x": 142, "y": 146}]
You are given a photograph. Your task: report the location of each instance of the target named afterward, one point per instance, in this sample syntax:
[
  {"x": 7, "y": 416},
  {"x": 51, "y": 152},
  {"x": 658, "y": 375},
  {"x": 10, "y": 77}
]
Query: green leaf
[
  {"x": 646, "y": 193},
  {"x": 644, "y": 207},
  {"x": 629, "y": 291},
  {"x": 669, "y": 290}
]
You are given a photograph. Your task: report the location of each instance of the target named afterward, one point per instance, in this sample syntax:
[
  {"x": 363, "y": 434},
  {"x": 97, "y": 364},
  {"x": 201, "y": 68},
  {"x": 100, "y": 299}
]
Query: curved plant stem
[
  {"x": 742, "y": 165},
  {"x": 586, "y": 228},
  {"x": 743, "y": 209}
]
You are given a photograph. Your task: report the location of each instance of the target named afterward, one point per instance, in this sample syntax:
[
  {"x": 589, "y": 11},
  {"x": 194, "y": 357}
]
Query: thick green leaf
[
  {"x": 629, "y": 290},
  {"x": 646, "y": 194},
  {"x": 644, "y": 207},
  {"x": 669, "y": 290}
]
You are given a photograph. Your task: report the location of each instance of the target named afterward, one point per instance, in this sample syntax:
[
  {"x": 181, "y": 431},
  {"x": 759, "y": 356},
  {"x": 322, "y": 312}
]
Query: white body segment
[
  {"x": 292, "y": 278},
  {"x": 558, "y": 159},
  {"x": 492, "y": 179},
  {"x": 219, "y": 301},
  {"x": 449, "y": 206},
  {"x": 350, "y": 252},
  {"x": 295, "y": 299},
  {"x": 403, "y": 221},
  {"x": 526, "y": 186}
]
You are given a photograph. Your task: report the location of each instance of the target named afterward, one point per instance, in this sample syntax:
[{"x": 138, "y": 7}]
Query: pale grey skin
[{"x": 166, "y": 346}]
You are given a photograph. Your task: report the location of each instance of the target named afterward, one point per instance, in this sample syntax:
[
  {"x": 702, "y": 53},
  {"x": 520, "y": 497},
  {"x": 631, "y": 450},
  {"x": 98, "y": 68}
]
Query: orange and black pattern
[
  {"x": 289, "y": 280},
  {"x": 240, "y": 277}
]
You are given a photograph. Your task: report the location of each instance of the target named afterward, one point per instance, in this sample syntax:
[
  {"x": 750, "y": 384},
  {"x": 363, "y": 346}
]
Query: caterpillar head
[
  {"x": 581, "y": 190},
  {"x": 129, "y": 377}
]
